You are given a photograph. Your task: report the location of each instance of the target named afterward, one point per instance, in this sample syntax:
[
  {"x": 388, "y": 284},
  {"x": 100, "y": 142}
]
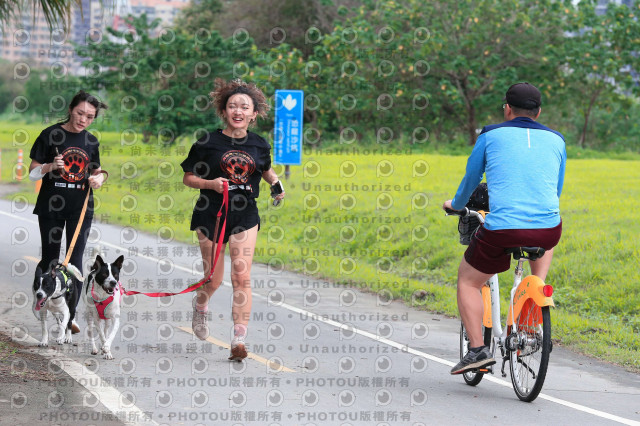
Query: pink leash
[{"x": 192, "y": 287}]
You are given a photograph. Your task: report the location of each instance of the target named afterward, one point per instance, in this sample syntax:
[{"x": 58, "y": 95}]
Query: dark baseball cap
[{"x": 523, "y": 95}]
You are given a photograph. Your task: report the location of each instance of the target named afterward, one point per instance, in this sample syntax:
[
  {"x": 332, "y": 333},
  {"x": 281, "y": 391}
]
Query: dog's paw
[
  {"x": 60, "y": 340},
  {"x": 94, "y": 351},
  {"x": 68, "y": 339},
  {"x": 43, "y": 344},
  {"x": 106, "y": 352}
]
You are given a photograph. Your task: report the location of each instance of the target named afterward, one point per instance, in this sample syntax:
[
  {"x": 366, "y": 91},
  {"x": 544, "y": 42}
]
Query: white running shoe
[{"x": 200, "y": 323}]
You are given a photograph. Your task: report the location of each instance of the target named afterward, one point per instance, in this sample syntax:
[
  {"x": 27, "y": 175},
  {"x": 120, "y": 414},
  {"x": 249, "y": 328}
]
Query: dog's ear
[
  {"x": 53, "y": 272},
  {"x": 97, "y": 264},
  {"x": 38, "y": 271},
  {"x": 119, "y": 261}
]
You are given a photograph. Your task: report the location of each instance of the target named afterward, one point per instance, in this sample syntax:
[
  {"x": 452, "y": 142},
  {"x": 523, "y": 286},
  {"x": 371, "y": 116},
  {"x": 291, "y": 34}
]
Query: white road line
[
  {"x": 274, "y": 366},
  {"x": 589, "y": 410},
  {"x": 111, "y": 398},
  {"x": 402, "y": 347},
  {"x": 18, "y": 217},
  {"x": 407, "y": 349}
]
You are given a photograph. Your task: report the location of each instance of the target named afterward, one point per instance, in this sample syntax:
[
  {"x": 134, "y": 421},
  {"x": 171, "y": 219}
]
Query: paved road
[{"x": 320, "y": 354}]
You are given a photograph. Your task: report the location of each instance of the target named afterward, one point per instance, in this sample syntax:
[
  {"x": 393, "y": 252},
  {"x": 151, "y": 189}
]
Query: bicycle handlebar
[
  {"x": 466, "y": 212},
  {"x": 462, "y": 213}
]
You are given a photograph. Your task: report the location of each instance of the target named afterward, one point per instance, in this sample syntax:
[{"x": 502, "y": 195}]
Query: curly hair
[{"x": 224, "y": 90}]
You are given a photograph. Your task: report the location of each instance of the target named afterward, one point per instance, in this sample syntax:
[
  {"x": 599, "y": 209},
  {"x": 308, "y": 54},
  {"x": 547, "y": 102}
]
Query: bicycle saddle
[{"x": 531, "y": 253}]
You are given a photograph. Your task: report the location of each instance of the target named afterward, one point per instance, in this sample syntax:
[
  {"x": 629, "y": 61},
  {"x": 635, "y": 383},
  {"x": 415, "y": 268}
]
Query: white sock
[
  {"x": 239, "y": 330},
  {"x": 202, "y": 307}
]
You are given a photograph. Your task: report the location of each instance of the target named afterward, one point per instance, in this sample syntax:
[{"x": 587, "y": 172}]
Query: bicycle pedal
[{"x": 483, "y": 370}]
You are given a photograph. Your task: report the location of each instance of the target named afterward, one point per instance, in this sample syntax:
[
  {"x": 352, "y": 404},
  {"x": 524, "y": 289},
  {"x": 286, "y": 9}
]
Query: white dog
[{"x": 103, "y": 293}]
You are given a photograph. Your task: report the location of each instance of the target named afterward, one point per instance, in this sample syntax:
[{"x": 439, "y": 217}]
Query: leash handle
[{"x": 215, "y": 253}]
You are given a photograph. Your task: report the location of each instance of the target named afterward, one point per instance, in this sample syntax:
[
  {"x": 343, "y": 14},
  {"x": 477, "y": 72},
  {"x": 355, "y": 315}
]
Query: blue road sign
[{"x": 287, "y": 132}]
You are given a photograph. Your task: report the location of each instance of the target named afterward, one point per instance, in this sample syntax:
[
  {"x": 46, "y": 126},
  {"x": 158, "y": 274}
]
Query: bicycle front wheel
[{"x": 529, "y": 361}]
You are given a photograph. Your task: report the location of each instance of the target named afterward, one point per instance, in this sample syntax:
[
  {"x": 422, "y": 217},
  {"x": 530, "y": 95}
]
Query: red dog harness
[{"x": 101, "y": 305}]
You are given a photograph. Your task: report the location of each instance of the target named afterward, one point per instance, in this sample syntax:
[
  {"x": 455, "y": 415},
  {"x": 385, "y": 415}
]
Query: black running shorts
[{"x": 242, "y": 215}]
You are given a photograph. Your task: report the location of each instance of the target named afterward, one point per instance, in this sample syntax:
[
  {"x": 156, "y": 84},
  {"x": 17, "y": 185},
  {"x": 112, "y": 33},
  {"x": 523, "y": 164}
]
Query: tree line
[{"x": 394, "y": 72}]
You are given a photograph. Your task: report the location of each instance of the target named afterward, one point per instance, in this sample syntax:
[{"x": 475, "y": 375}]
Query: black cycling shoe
[{"x": 473, "y": 361}]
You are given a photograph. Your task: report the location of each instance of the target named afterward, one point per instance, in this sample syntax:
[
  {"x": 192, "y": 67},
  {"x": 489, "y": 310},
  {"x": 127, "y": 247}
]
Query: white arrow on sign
[{"x": 289, "y": 103}]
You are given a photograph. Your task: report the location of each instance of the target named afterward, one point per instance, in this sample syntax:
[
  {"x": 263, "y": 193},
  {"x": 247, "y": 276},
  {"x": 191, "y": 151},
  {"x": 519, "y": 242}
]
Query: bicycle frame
[{"x": 524, "y": 291}]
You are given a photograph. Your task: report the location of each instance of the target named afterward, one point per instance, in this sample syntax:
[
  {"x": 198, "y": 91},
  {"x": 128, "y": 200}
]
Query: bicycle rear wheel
[
  {"x": 472, "y": 378},
  {"x": 528, "y": 362}
]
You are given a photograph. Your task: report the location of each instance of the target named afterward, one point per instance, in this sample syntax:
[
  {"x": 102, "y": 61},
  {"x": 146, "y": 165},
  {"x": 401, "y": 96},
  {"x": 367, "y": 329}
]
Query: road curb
[{"x": 97, "y": 395}]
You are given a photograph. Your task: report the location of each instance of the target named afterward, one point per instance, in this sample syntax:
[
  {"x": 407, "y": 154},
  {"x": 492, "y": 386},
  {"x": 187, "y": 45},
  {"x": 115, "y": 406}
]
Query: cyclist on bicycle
[{"x": 524, "y": 163}]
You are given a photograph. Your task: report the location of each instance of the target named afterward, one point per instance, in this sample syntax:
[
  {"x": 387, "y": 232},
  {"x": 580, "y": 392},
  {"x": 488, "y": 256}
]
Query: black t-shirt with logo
[
  {"x": 242, "y": 161},
  {"x": 62, "y": 193}
]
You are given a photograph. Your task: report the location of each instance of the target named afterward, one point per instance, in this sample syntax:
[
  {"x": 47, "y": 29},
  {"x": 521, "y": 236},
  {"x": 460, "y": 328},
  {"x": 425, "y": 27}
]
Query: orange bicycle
[{"x": 525, "y": 342}]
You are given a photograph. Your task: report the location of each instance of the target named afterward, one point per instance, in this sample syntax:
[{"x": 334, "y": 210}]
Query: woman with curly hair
[{"x": 241, "y": 158}]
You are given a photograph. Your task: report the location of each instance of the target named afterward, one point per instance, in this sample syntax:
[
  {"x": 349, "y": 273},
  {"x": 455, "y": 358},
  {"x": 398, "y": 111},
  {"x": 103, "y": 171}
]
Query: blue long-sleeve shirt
[{"x": 524, "y": 162}]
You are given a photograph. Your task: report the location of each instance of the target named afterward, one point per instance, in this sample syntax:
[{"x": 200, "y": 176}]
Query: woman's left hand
[
  {"x": 95, "y": 181},
  {"x": 279, "y": 197}
]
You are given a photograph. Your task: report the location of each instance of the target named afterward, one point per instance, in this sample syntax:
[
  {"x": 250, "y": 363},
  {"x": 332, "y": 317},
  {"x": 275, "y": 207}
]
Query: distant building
[
  {"x": 601, "y": 8},
  {"x": 166, "y": 10},
  {"x": 28, "y": 40}
]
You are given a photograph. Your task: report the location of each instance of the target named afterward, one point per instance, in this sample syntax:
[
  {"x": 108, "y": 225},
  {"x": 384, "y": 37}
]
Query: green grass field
[{"x": 371, "y": 218}]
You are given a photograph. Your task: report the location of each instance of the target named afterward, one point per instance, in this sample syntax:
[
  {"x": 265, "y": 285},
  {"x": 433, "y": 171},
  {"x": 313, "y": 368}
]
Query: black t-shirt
[
  {"x": 62, "y": 194},
  {"x": 242, "y": 161}
]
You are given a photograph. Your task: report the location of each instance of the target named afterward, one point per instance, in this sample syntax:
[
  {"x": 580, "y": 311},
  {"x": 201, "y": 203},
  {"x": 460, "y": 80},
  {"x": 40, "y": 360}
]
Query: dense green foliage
[
  {"x": 403, "y": 72},
  {"x": 159, "y": 85},
  {"x": 602, "y": 55}
]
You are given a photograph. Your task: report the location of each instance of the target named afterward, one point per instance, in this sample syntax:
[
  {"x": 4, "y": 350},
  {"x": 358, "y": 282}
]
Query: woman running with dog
[
  {"x": 65, "y": 156},
  {"x": 239, "y": 158}
]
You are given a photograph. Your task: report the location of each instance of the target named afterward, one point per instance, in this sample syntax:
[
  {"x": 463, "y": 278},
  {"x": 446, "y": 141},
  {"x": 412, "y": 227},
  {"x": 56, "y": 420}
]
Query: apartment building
[{"x": 29, "y": 39}]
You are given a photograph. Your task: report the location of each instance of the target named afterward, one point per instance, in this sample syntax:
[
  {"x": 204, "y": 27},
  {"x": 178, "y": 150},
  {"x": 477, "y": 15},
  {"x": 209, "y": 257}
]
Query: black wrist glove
[{"x": 276, "y": 189}]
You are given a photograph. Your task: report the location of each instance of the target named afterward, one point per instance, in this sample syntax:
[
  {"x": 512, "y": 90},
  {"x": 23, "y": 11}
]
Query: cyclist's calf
[{"x": 540, "y": 267}]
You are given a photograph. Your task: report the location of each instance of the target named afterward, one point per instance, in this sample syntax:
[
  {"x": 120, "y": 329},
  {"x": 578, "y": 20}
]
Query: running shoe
[
  {"x": 238, "y": 348},
  {"x": 474, "y": 360},
  {"x": 200, "y": 323}
]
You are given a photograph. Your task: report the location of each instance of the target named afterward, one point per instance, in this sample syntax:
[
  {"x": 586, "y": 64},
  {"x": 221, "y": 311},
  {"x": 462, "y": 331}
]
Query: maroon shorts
[{"x": 486, "y": 250}]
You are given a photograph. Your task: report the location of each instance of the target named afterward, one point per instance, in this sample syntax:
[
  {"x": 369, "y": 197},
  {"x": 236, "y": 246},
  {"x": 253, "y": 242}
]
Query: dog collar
[{"x": 64, "y": 285}]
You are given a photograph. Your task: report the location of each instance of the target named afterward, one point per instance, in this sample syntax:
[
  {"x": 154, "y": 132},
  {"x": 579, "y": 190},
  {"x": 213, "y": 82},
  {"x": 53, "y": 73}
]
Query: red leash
[{"x": 214, "y": 260}]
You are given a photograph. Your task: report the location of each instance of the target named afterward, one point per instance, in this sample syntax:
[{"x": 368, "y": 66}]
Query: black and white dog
[
  {"x": 55, "y": 291},
  {"x": 103, "y": 293}
]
